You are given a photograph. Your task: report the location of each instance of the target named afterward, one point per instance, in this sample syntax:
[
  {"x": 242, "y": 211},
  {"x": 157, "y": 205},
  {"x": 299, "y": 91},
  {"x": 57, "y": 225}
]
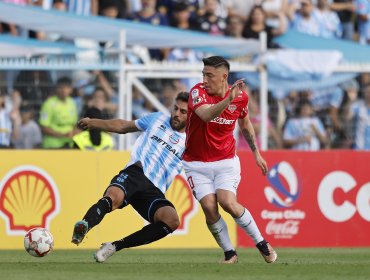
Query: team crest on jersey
[
  {"x": 195, "y": 93},
  {"x": 174, "y": 139},
  {"x": 232, "y": 108},
  {"x": 197, "y": 100}
]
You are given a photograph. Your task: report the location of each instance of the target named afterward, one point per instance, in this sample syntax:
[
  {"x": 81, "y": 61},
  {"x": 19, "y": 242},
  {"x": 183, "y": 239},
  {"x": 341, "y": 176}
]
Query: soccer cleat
[
  {"x": 267, "y": 252},
  {"x": 79, "y": 232},
  {"x": 230, "y": 257},
  {"x": 105, "y": 251}
]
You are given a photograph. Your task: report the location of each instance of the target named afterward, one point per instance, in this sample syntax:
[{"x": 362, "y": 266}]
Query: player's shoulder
[
  {"x": 243, "y": 97},
  {"x": 197, "y": 90}
]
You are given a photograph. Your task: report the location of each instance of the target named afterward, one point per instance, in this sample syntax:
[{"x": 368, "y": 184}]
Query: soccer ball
[{"x": 38, "y": 242}]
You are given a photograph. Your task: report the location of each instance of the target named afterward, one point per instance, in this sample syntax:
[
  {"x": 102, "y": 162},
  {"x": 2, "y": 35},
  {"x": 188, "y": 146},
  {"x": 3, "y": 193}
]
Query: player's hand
[
  {"x": 84, "y": 123},
  {"x": 236, "y": 89},
  {"x": 262, "y": 164}
]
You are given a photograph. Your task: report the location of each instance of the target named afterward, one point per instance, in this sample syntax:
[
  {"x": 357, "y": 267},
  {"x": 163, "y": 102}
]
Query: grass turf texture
[{"x": 351, "y": 263}]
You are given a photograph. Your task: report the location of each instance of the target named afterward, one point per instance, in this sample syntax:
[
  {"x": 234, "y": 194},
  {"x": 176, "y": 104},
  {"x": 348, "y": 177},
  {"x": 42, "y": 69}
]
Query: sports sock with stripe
[
  {"x": 247, "y": 223},
  {"x": 97, "y": 212},
  {"x": 221, "y": 235},
  {"x": 146, "y": 235}
]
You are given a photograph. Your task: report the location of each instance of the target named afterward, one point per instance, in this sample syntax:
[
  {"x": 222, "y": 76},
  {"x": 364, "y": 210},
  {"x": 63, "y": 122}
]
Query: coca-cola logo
[{"x": 284, "y": 229}]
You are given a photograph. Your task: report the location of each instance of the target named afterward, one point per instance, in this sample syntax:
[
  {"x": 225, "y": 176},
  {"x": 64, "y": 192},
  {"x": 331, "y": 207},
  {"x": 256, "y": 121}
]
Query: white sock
[
  {"x": 247, "y": 222},
  {"x": 221, "y": 235}
]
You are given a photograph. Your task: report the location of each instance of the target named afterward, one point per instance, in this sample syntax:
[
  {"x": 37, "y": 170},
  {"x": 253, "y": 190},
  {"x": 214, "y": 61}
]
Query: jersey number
[{"x": 191, "y": 183}]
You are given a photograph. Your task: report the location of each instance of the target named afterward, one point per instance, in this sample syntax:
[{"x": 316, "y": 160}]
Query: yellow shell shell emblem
[
  {"x": 28, "y": 199},
  {"x": 180, "y": 194}
]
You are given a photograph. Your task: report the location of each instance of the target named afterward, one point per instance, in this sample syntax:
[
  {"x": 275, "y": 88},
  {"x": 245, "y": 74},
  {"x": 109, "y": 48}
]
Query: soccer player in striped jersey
[{"x": 155, "y": 161}]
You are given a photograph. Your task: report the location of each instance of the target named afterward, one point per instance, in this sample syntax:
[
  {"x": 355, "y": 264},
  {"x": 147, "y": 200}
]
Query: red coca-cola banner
[{"x": 308, "y": 199}]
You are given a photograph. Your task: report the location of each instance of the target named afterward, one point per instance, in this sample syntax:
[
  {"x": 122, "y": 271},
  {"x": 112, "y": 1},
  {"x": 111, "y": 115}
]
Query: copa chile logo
[{"x": 285, "y": 187}]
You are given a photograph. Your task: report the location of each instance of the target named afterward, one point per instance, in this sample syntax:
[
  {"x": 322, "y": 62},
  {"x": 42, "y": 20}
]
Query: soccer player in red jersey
[{"x": 210, "y": 161}]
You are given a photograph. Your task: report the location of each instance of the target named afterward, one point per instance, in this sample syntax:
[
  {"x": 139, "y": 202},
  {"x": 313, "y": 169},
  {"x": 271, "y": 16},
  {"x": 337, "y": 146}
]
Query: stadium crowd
[{"x": 40, "y": 108}]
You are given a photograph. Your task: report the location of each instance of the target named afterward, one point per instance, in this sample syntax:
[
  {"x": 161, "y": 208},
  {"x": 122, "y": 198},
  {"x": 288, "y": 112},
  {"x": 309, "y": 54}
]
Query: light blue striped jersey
[
  {"x": 361, "y": 112},
  {"x": 159, "y": 149},
  {"x": 5, "y": 128}
]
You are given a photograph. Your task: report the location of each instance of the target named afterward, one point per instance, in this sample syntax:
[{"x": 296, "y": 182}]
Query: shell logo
[
  {"x": 180, "y": 194},
  {"x": 28, "y": 198}
]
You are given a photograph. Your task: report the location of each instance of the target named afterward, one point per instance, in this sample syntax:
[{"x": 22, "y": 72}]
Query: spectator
[
  {"x": 109, "y": 8},
  {"x": 234, "y": 26},
  {"x": 222, "y": 8},
  {"x": 93, "y": 139},
  {"x": 149, "y": 14},
  {"x": 241, "y": 8},
  {"x": 359, "y": 112},
  {"x": 9, "y": 123},
  {"x": 326, "y": 103},
  {"x": 304, "y": 132},
  {"x": 167, "y": 7},
  {"x": 256, "y": 24},
  {"x": 210, "y": 22},
  {"x": 344, "y": 137},
  {"x": 345, "y": 10},
  {"x": 99, "y": 99},
  {"x": 329, "y": 21},
  {"x": 276, "y": 11},
  {"x": 181, "y": 14},
  {"x": 304, "y": 20},
  {"x": 34, "y": 87},
  {"x": 9, "y": 28},
  {"x": 58, "y": 117},
  {"x": 78, "y": 7},
  {"x": 29, "y": 136},
  {"x": 120, "y": 8},
  {"x": 363, "y": 13}
]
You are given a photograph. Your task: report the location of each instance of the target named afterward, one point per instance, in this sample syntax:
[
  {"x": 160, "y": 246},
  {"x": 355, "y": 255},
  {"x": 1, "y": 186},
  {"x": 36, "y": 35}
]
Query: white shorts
[{"x": 207, "y": 177}]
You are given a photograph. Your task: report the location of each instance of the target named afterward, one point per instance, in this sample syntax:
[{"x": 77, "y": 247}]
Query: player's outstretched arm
[
  {"x": 115, "y": 125},
  {"x": 250, "y": 136}
]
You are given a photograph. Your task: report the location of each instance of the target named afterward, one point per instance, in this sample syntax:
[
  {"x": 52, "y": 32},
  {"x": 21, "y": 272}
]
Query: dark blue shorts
[{"x": 140, "y": 192}]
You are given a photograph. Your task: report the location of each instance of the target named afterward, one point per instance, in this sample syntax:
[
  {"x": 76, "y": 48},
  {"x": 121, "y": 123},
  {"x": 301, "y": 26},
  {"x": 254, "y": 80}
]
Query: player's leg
[
  {"x": 152, "y": 205},
  {"x": 111, "y": 200},
  {"x": 227, "y": 181},
  {"x": 200, "y": 177},
  {"x": 115, "y": 196},
  {"x": 218, "y": 227},
  {"x": 244, "y": 219}
]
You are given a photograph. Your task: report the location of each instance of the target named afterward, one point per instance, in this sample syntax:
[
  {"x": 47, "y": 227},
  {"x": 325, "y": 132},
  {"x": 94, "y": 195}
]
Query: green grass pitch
[{"x": 343, "y": 263}]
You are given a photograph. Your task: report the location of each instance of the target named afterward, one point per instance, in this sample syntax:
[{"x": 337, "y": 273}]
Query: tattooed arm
[{"x": 250, "y": 136}]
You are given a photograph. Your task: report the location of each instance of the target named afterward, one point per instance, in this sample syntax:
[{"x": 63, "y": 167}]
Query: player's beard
[{"x": 176, "y": 124}]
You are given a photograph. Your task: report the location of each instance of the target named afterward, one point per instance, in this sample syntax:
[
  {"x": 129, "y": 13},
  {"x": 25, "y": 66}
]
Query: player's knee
[
  {"x": 229, "y": 206},
  {"x": 172, "y": 221},
  {"x": 210, "y": 211},
  {"x": 116, "y": 195},
  {"x": 167, "y": 215}
]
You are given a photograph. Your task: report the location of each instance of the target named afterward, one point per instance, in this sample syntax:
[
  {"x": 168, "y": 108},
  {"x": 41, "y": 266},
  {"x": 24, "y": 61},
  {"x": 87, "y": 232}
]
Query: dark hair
[
  {"x": 216, "y": 61},
  {"x": 180, "y": 7},
  {"x": 302, "y": 102},
  {"x": 95, "y": 135},
  {"x": 249, "y": 21},
  {"x": 182, "y": 96},
  {"x": 64, "y": 81}
]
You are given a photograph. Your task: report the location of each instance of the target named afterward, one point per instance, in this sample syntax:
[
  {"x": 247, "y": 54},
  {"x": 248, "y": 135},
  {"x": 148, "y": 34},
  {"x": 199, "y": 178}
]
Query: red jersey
[{"x": 214, "y": 140}]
